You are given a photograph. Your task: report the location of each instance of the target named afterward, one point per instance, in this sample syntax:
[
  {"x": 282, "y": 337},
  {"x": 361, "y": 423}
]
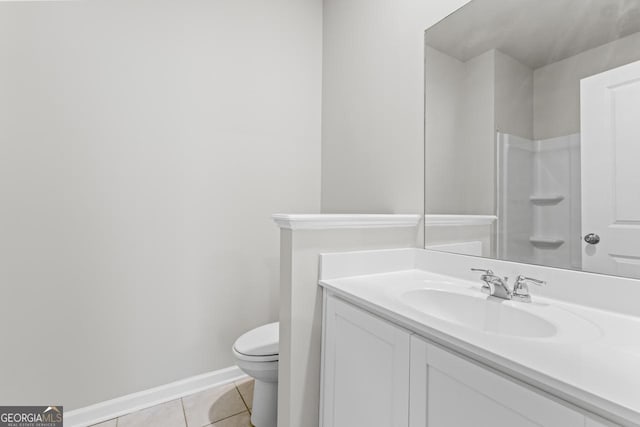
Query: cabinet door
[
  {"x": 449, "y": 391},
  {"x": 365, "y": 375}
]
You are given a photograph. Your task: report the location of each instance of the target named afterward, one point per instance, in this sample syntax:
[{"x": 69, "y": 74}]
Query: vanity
[
  {"x": 405, "y": 345},
  {"x": 531, "y": 177}
]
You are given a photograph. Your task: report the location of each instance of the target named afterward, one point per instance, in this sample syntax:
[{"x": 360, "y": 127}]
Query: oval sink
[{"x": 482, "y": 314}]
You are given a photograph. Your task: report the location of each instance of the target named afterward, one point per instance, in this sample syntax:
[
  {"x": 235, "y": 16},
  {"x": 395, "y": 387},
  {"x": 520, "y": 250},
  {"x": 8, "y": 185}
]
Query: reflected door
[{"x": 610, "y": 123}]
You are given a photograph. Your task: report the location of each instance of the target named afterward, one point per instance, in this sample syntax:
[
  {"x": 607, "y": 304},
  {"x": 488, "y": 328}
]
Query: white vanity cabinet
[
  {"x": 376, "y": 374},
  {"x": 365, "y": 377},
  {"x": 448, "y": 390}
]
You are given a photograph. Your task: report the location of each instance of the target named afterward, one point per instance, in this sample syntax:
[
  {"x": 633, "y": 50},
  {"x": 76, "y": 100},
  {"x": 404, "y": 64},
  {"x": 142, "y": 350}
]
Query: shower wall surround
[{"x": 539, "y": 200}]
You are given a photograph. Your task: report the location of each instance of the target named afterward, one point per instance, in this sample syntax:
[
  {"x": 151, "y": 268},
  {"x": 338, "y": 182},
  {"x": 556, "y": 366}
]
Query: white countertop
[{"x": 593, "y": 361}]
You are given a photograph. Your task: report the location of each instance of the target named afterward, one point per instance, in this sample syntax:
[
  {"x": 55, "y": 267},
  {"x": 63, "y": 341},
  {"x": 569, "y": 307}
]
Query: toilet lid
[{"x": 261, "y": 341}]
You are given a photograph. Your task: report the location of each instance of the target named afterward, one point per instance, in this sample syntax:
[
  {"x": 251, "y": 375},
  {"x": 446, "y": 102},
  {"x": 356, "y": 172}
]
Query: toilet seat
[
  {"x": 259, "y": 345},
  {"x": 267, "y": 358}
]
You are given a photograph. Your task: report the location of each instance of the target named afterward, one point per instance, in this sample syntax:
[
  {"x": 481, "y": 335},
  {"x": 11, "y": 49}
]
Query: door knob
[{"x": 592, "y": 239}]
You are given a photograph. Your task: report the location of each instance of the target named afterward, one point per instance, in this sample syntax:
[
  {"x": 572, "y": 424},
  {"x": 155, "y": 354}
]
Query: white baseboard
[{"x": 113, "y": 408}]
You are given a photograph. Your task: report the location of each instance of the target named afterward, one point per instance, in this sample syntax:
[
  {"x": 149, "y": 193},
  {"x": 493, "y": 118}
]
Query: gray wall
[
  {"x": 557, "y": 85},
  {"x": 143, "y": 147},
  {"x": 514, "y": 96},
  {"x": 372, "y": 109},
  {"x": 444, "y": 122},
  {"x": 466, "y": 103},
  {"x": 476, "y": 158}
]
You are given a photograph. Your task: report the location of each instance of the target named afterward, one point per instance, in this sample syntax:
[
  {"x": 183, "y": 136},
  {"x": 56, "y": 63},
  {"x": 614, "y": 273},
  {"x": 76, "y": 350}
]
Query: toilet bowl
[{"x": 256, "y": 353}]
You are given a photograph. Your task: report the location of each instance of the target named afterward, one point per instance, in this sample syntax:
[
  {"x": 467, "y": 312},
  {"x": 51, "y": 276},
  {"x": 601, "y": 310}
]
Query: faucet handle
[
  {"x": 521, "y": 288},
  {"x": 488, "y": 287},
  {"x": 525, "y": 280}
]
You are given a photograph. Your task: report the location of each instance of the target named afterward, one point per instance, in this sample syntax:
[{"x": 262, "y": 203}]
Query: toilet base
[{"x": 264, "y": 412}]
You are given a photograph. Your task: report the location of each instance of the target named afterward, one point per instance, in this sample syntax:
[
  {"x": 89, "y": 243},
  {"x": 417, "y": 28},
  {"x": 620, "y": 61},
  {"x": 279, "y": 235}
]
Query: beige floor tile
[
  {"x": 212, "y": 405},
  {"x": 168, "y": 414},
  {"x": 245, "y": 387},
  {"x": 110, "y": 423},
  {"x": 240, "y": 420}
]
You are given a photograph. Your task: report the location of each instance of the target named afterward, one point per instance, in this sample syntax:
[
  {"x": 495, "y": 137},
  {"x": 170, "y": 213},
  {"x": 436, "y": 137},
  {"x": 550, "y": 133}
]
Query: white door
[
  {"x": 365, "y": 373},
  {"x": 610, "y": 126},
  {"x": 449, "y": 391}
]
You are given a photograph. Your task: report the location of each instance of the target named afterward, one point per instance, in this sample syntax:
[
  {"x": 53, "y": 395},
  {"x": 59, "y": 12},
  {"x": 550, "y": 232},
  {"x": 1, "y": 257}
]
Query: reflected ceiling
[{"x": 570, "y": 27}]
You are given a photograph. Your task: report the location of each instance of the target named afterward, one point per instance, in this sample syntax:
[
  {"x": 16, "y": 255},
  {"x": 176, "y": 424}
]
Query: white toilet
[{"x": 256, "y": 353}]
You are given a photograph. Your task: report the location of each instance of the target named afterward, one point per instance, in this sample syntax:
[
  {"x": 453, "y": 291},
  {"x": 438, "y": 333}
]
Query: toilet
[{"x": 256, "y": 353}]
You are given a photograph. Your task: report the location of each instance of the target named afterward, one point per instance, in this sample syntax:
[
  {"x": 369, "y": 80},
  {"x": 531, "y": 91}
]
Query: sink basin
[{"x": 483, "y": 314}]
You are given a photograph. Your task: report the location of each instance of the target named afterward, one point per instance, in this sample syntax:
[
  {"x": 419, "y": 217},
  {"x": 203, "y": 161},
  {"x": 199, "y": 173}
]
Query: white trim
[
  {"x": 332, "y": 221},
  {"x": 119, "y": 406},
  {"x": 458, "y": 220}
]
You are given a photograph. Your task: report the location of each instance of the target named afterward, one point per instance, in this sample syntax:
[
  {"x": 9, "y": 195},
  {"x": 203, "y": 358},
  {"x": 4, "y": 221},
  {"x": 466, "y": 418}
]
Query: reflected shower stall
[{"x": 538, "y": 200}]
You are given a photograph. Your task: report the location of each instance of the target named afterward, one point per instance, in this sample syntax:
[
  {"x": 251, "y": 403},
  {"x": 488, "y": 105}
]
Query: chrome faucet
[{"x": 496, "y": 286}]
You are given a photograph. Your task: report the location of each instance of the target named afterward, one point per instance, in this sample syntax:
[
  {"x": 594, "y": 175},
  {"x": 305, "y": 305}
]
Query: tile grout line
[
  {"x": 242, "y": 397},
  {"x": 226, "y": 418},
  {"x": 184, "y": 413},
  {"x": 232, "y": 415}
]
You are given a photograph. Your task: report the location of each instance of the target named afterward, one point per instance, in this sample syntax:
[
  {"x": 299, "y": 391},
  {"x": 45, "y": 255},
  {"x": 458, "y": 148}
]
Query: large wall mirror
[{"x": 532, "y": 149}]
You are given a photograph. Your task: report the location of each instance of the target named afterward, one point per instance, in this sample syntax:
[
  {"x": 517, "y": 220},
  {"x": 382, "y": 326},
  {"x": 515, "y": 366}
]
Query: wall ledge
[
  {"x": 344, "y": 221},
  {"x": 457, "y": 220}
]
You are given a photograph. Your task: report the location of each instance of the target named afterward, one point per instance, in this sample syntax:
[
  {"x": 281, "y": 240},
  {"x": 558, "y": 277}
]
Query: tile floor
[{"x": 225, "y": 406}]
